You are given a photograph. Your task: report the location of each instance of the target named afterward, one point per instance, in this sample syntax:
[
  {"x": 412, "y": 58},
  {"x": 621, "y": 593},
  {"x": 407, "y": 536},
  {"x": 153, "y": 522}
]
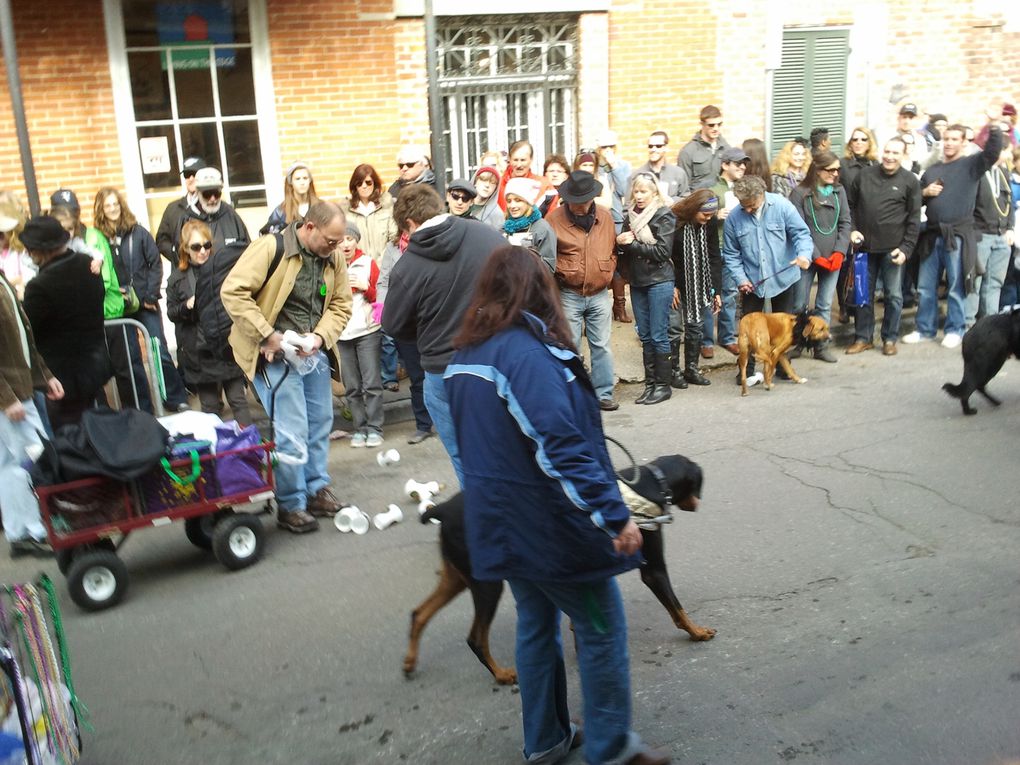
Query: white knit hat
[{"x": 527, "y": 189}]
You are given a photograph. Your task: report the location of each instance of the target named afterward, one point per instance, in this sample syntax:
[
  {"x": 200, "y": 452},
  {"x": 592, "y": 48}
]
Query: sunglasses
[
  {"x": 367, "y": 182},
  {"x": 460, "y": 196},
  {"x": 199, "y": 247},
  {"x": 714, "y": 124},
  {"x": 831, "y": 169},
  {"x": 405, "y": 165},
  {"x": 212, "y": 193},
  {"x": 188, "y": 174},
  {"x": 656, "y": 146},
  {"x": 860, "y": 138}
]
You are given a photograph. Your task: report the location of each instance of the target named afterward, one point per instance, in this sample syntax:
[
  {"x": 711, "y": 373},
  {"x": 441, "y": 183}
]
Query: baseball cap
[
  {"x": 65, "y": 198},
  {"x": 733, "y": 154},
  {"x": 208, "y": 178},
  {"x": 909, "y": 109},
  {"x": 192, "y": 165}
]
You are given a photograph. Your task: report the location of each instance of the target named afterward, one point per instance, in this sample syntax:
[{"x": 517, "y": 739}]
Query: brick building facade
[{"x": 338, "y": 83}]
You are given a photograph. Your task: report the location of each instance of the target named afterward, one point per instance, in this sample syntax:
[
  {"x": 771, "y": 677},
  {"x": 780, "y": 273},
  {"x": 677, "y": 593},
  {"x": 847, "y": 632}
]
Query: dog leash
[
  {"x": 781, "y": 270},
  {"x": 658, "y": 475}
]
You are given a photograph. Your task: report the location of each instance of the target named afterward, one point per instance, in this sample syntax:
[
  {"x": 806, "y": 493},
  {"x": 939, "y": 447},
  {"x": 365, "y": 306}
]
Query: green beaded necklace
[{"x": 835, "y": 222}]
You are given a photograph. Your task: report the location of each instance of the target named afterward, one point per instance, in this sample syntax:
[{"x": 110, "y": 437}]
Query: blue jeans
[
  {"x": 727, "y": 321},
  {"x": 993, "y": 259},
  {"x": 879, "y": 265},
  {"x": 823, "y": 295},
  {"x": 20, "y": 506},
  {"x": 439, "y": 409},
  {"x": 408, "y": 352},
  {"x": 652, "y": 305},
  {"x": 153, "y": 322},
  {"x": 593, "y": 317},
  {"x": 388, "y": 359},
  {"x": 301, "y": 417},
  {"x": 948, "y": 258},
  {"x": 603, "y": 663}
]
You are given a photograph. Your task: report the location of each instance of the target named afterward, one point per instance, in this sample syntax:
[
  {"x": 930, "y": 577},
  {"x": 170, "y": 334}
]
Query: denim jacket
[{"x": 760, "y": 251}]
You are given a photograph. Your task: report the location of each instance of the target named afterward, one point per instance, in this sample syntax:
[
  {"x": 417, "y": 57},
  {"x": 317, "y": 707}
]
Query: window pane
[
  {"x": 244, "y": 153},
  {"x": 147, "y": 23},
  {"x": 249, "y": 198},
  {"x": 194, "y": 87},
  {"x": 200, "y": 141},
  {"x": 237, "y": 87},
  {"x": 150, "y": 86},
  {"x": 161, "y": 181}
]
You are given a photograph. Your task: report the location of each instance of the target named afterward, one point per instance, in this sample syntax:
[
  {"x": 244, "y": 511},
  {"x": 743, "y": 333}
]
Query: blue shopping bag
[{"x": 860, "y": 278}]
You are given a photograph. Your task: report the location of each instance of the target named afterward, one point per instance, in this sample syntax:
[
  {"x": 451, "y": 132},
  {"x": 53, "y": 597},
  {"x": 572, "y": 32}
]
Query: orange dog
[{"x": 770, "y": 335}]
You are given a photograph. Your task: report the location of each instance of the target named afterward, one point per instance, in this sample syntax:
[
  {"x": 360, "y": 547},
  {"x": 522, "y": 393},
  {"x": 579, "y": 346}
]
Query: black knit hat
[{"x": 43, "y": 233}]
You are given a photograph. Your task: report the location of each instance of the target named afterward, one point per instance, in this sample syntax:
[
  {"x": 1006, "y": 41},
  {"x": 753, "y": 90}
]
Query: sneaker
[
  {"x": 40, "y": 548},
  {"x": 373, "y": 440},
  {"x": 297, "y": 522},
  {"x": 754, "y": 379},
  {"x": 951, "y": 340},
  {"x": 324, "y": 504},
  {"x": 420, "y": 435},
  {"x": 358, "y": 441},
  {"x": 915, "y": 337}
]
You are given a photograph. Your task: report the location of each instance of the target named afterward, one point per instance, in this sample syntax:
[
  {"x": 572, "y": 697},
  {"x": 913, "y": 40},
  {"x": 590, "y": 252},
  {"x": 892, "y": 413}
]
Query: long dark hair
[
  {"x": 818, "y": 162},
  {"x": 758, "y": 165},
  {"x": 361, "y": 172},
  {"x": 514, "y": 280},
  {"x": 687, "y": 208}
]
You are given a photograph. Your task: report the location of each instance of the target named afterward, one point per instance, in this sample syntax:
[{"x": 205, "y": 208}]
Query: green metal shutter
[{"x": 809, "y": 88}]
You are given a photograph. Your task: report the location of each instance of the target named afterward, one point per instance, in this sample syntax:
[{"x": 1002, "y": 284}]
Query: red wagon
[{"x": 89, "y": 519}]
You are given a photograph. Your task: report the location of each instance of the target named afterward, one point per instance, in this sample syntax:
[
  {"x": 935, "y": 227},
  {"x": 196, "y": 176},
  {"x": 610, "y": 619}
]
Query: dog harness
[{"x": 644, "y": 512}]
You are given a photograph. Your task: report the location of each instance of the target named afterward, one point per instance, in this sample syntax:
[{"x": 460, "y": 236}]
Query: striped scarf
[{"x": 697, "y": 293}]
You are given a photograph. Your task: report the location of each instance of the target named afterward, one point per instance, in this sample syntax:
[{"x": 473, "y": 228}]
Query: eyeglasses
[
  {"x": 714, "y": 124},
  {"x": 831, "y": 169},
  {"x": 460, "y": 196},
  {"x": 860, "y": 138},
  {"x": 405, "y": 165},
  {"x": 610, "y": 146},
  {"x": 659, "y": 146},
  {"x": 196, "y": 247},
  {"x": 212, "y": 193}
]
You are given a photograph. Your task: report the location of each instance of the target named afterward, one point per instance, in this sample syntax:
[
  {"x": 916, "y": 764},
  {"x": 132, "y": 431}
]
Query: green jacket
[{"x": 113, "y": 301}]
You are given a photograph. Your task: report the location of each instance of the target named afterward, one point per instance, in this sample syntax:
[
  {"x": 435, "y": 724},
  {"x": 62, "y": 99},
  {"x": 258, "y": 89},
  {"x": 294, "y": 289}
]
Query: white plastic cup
[
  {"x": 387, "y": 457},
  {"x": 383, "y": 521},
  {"x": 351, "y": 518},
  {"x": 421, "y": 492}
]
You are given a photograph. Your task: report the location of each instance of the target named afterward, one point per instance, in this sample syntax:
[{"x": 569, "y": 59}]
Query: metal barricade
[{"x": 154, "y": 371}]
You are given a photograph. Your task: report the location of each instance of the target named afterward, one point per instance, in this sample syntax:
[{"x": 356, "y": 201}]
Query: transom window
[{"x": 505, "y": 79}]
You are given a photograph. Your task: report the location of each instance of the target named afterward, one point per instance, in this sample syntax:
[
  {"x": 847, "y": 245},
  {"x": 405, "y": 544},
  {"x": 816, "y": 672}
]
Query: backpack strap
[{"x": 277, "y": 257}]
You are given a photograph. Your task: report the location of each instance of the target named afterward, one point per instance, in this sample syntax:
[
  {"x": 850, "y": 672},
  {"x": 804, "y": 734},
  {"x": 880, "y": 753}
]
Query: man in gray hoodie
[{"x": 701, "y": 157}]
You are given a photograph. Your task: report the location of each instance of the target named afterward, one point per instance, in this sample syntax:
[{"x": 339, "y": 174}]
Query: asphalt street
[{"x": 856, "y": 549}]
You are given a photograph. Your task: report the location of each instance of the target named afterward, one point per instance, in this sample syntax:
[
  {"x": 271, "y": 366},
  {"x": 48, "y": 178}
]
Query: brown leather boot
[{"x": 620, "y": 300}]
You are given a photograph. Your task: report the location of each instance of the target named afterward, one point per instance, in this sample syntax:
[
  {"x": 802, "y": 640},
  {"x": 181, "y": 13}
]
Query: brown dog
[{"x": 770, "y": 335}]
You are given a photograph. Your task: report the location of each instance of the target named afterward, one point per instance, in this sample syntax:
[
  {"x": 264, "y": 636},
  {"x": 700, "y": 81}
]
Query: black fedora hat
[
  {"x": 580, "y": 186},
  {"x": 44, "y": 233}
]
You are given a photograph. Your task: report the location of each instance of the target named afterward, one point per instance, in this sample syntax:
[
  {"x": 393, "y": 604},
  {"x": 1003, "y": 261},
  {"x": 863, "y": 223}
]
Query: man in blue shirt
[{"x": 765, "y": 246}]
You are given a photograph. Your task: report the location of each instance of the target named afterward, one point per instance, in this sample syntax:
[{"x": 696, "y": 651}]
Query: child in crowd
[{"x": 361, "y": 345}]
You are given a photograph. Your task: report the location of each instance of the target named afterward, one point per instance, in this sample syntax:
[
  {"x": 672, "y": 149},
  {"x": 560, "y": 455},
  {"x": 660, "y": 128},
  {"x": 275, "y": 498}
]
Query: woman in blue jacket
[{"x": 542, "y": 507}]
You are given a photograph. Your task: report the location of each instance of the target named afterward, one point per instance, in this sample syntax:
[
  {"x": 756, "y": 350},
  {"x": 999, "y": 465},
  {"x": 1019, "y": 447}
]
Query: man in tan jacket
[{"x": 308, "y": 294}]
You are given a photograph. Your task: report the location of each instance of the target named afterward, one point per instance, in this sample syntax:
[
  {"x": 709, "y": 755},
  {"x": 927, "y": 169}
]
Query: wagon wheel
[
  {"x": 97, "y": 579},
  {"x": 237, "y": 540}
]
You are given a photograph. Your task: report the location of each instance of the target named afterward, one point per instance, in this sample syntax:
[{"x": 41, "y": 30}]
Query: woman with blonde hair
[
  {"x": 790, "y": 167},
  {"x": 15, "y": 263},
  {"x": 139, "y": 272},
  {"x": 646, "y": 243},
  {"x": 298, "y": 195},
  {"x": 210, "y": 372},
  {"x": 861, "y": 151}
]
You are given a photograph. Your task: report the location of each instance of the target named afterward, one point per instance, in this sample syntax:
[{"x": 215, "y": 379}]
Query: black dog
[
  {"x": 673, "y": 477},
  {"x": 986, "y": 346}
]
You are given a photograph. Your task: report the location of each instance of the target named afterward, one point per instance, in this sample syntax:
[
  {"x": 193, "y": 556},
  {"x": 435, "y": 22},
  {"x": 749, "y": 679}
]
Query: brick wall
[
  {"x": 352, "y": 91},
  {"x": 65, "y": 83}
]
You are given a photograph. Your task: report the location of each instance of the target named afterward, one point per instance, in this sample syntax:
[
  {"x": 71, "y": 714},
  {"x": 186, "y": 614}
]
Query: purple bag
[
  {"x": 860, "y": 279},
  {"x": 239, "y": 473}
]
